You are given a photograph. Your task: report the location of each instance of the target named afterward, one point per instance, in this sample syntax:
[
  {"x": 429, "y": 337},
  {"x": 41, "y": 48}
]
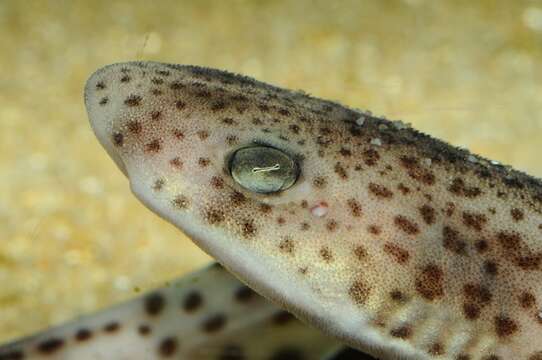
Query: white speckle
[
  {"x": 532, "y": 18},
  {"x": 399, "y": 125},
  {"x": 376, "y": 142},
  {"x": 427, "y": 161},
  {"x": 540, "y": 314},
  {"x": 361, "y": 120},
  {"x": 320, "y": 209},
  {"x": 472, "y": 159},
  {"x": 495, "y": 162}
]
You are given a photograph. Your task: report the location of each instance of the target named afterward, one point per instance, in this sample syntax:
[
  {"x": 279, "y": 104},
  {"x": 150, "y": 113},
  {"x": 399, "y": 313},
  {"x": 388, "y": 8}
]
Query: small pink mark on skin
[{"x": 320, "y": 209}]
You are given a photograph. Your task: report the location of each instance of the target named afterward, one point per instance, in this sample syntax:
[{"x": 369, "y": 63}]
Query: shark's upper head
[{"x": 224, "y": 157}]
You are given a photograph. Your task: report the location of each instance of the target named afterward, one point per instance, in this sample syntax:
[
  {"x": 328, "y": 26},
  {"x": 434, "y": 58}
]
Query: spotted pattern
[{"x": 406, "y": 215}]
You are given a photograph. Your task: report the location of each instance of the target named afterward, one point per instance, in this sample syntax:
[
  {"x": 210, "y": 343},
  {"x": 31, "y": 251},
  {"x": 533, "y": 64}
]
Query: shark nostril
[{"x": 263, "y": 169}]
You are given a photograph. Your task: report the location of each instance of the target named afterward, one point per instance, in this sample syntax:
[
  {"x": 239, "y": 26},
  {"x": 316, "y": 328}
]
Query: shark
[{"x": 383, "y": 238}]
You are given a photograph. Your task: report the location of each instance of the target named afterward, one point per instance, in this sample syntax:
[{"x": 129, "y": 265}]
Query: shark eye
[{"x": 263, "y": 169}]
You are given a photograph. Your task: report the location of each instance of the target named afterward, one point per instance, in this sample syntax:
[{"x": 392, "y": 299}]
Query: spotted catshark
[{"x": 384, "y": 238}]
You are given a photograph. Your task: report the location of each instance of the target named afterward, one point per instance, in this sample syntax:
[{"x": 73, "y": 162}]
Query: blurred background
[{"x": 72, "y": 237}]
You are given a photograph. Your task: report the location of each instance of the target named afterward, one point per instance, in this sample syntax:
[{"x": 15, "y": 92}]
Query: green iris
[{"x": 263, "y": 169}]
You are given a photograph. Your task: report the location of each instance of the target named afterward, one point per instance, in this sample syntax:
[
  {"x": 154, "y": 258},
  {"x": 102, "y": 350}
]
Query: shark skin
[
  {"x": 208, "y": 314},
  {"x": 396, "y": 243}
]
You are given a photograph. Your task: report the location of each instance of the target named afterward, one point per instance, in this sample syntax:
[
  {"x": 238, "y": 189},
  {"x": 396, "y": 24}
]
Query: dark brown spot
[
  {"x": 355, "y": 207},
  {"x": 452, "y": 241},
  {"x": 527, "y": 300},
  {"x": 179, "y": 135},
  {"x": 217, "y": 182},
  {"x": 459, "y": 188},
  {"x": 156, "y": 92},
  {"x": 168, "y": 347},
  {"x": 83, "y": 334},
  {"x": 326, "y": 254},
  {"x": 229, "y": 121},
  {"x": 218, "y": 106},
  {"x": 319, "y": 182},
  {"x": 144, "y": 330},
  {"x": 157, "y": 81},
  {"x": 399, "y": 254},
  {"x": 248, "y": 228},
  {"x": 288, "y": 353},
  {"x": 214, "y": 216},
  {"x": 180, "y": 105},
  {"x": 416, "y": 171},
  {"x": 176, "y": 163},
  {"x": 203, "y": 134},
  {"x": 359, "y": 292},
  {"x": 331, "y": 225},
  {"x": 282, "y": 317},
  {"x": 158, "y": 184},
  {"x": 265, "y": 208},
  {"x": 402, "y": 332},
  {"x": 517, "y": 214},
  {"x": 481, "y": 246},
  {"x": 192, "y": 301},
  {"x": 436, "y": 349},
  {"x": 428, "y": 214},
  {"x": 50, "y": 346},
  {"x": 181, "y": 202},
  {"x": 287, "y": 245},
  {"x": 504, "y": 326},
  {"x": 154, "y": 304},
  {"x": 380, "y": 191},
  {"x": 284, "y": 112},
  {"x": 125, "y": 79},
  {"x": 406, "y": 225},
  {"x": 536, "y": 356},
  {"x": 232, "y": 352},
  {"x": 154, "y": 146},
  {"x": 374, "y": 229},
  {"x": 490, "y": 267},
  {"x": 471, "y": 311},
  {"x": 429, "y": 282},
  {"x": 341, "y": 171},
  {"x": 403, "y": 189},
  {"x": 477, "y": 293},
  {"x": 398, "y": 296},
  {"x": 111, "y": 327},
  {"x": 370, "y": 157},
  {"x": 133, "y": 100},
  {"x": 203, "y": 162},
  {"x": 449, "y": 209},
  {"x": 474, "y": 221},
  {"x": 237, "y": 198},
  {"x": 517, "y": 251},
  {"x": 155, "y": 115},
  {"x": 244, "y": 294},
  {"x": 104, "y": 101},
  {"x": 176, "y": 85},
  {"x": 134, "y": 127},
  {"x": 214, "y": 323},
  {"x": 118, "y": 139},
  {"x": 360, "y": 252},
  {"x": 100, "y": 85},
  {"x": 281, "y": 220}
]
